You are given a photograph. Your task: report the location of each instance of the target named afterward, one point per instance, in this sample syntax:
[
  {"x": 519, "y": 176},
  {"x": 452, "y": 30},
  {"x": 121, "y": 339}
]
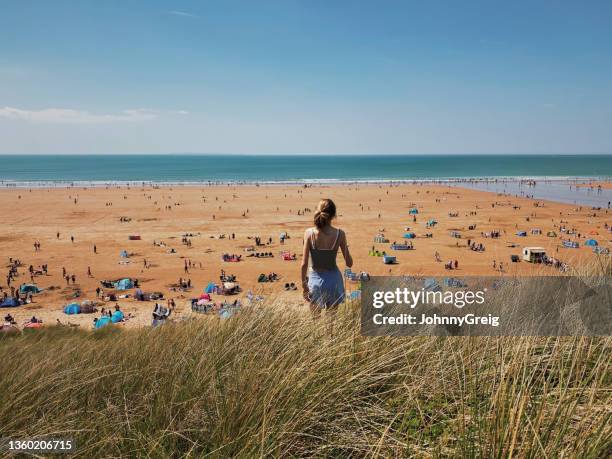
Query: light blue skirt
[{"x": 326, "y": 288}]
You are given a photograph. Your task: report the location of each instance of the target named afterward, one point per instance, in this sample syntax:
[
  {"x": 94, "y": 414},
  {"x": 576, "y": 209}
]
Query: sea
[{"x": 555, "y": 175}]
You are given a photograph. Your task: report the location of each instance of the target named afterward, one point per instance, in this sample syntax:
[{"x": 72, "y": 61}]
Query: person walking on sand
[{"x": 324, "y": 287}]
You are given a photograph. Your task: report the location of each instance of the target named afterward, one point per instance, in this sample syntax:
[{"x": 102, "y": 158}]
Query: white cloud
[
  {"x": 70, "y": 116},
  {"x": 184, "y": 14}
]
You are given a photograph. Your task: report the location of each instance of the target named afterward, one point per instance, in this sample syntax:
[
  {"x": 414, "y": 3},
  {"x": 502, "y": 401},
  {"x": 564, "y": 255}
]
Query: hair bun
[{"x": 325, "y": 213}]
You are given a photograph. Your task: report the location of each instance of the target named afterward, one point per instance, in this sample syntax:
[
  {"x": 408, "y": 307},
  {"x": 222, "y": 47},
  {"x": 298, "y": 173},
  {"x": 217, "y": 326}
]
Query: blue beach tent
[
  {"x": 591, "y": 242},
  {"x": 29, "y": 288},
  {"x": 72, "y": 308},
  {"x": 431, "y": 284},
  {"x": 9, "y": 303},
  {"x": 414, "y": 211},
  {"x": 124, "y": 284},
  {"x": 102, "y": 322},
  {"x": 210, "y": 288},
  {"x": 117, "y": 317},
  {"x": 409, "y": 235}
]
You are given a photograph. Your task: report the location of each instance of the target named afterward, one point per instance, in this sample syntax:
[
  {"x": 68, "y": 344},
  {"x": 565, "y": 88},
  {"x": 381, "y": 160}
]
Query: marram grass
[{"x": 273, "y": 382}]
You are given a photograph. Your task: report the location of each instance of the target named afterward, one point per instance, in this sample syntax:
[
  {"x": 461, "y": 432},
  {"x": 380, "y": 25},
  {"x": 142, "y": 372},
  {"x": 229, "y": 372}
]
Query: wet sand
[{"x": 165, "y": 214}]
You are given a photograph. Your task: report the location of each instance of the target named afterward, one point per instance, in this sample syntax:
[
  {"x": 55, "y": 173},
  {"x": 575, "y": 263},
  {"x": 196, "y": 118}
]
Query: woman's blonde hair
[{"x": 325, "y": 213}]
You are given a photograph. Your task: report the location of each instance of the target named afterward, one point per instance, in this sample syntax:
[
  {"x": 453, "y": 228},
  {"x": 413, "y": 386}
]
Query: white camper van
[{"x": 534, "y": 254}]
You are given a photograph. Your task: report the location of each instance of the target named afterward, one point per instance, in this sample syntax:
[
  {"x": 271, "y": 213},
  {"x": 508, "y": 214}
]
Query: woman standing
[{"x": 324, "y": 288}]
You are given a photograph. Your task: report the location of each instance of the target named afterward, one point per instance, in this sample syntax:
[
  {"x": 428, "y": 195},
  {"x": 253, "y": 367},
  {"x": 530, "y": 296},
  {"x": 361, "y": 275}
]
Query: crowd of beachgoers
[{"x": 458, "y": 230}]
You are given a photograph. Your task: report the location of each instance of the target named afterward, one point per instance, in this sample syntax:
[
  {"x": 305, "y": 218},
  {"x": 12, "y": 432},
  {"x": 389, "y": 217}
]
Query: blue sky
[{"x": 305, "y": 76}]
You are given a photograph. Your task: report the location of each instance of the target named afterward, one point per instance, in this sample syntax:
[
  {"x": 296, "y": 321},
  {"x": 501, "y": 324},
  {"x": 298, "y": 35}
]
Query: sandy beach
[{"x": 106, "y": 217}]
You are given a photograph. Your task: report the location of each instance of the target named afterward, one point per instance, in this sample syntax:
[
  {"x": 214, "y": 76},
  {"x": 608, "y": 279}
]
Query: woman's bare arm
[
  {"x": 345, "y": 251},
  {"x": 305, "y": 258}
]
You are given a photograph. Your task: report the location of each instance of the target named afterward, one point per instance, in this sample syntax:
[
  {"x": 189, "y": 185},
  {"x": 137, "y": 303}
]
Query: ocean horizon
[{"x": 201, "y": 168}]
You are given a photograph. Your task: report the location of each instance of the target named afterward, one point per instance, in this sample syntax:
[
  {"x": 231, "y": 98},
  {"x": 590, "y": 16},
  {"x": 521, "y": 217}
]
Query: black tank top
[{"x": 323, "y": 259}]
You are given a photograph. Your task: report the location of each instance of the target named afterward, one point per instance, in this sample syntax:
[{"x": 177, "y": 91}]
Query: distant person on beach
[{"x": 324, "y": 287}]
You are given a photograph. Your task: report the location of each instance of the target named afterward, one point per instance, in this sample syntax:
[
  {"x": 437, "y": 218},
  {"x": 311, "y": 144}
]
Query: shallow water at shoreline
[{"x": 564, "y": 191}]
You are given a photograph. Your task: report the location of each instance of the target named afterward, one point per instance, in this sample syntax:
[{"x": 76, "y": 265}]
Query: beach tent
[
  {"x": 72, "y": 308},
  {"x": 431, "y": 284},
  {"x": 117, "y": 317},
  {"x": 591, "y": 242},
  {"x": 432, "y": 222},
  {"x": 103, "y": 321},
  {"x": 9, "y": 303},
  {"x": 409, "y": 235},
  {"x": 124, "y": 284},
  {"x": 210, "y": 288},
  {"x": 29, "y": 288},
  {"x": 521, "y": 233},
  {"x": 124, "y": 254},
  {"x": 389, "y": 260},
  {"x": 453, "y": 282},
  {"x": 551, "y": 234},
  {"x": 413, "y": 211}
]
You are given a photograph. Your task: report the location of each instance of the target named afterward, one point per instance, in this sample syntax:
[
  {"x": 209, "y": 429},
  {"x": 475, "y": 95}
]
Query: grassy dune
[{"x": 272, "y": 382}]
